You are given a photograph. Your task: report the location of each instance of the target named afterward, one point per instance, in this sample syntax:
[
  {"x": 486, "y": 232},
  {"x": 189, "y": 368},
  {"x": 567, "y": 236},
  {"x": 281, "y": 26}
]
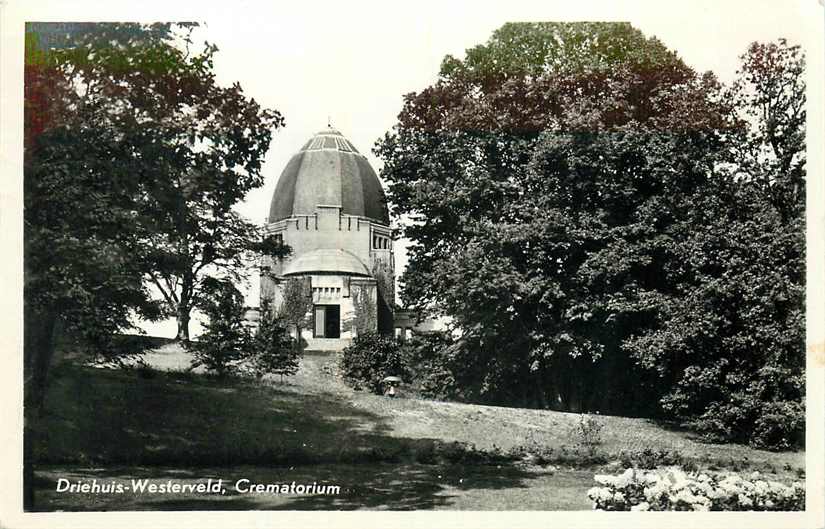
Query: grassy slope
[{"x": 198, "y": 427}]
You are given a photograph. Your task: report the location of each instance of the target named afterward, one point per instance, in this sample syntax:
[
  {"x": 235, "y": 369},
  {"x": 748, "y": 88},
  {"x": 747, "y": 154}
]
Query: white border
[{"x": 13, "y": 13}]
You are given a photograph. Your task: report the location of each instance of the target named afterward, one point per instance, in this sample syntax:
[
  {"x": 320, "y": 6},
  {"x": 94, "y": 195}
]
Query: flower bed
[{"x": 672, "y": 489}]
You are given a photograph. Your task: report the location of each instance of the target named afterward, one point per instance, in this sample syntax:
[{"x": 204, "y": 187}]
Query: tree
[
  {"x": 296, "y": 304},
  {"x": 82, "y": 271},
  {"x": 113, "y": 133},
  {"x": 731, "y": 344},
  {"x": 208, "y": 142},
  {"x": 575, "y": 207},
  {"x": 274, "y": 350},
  {"x": 193, "y": 148},
  {"x": 226, "y": 340},
  {"x": 500, "y": 230}
]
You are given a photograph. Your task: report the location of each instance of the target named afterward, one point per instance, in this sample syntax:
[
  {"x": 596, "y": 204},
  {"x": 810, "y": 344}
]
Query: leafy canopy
[{"x": 602, "y": 223}]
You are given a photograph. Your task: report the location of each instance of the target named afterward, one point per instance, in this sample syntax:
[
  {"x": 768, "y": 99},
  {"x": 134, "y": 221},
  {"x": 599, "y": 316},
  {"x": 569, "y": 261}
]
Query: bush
[
  {"x": 588, "y": 432},
  {"x": 431, "y": 366},
  {"x": 652, "y": 459},
  {"x": 675, "y": 490},
  {"x": 274, "y": 351},
  {"x": 370, "y": 358},
  {"x": 226, "y": 341},
  {"x": 777, "y": 425}
]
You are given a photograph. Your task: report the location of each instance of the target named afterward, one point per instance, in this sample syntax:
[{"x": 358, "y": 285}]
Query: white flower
[
  {"x": 683, "y": 496},
  {"x": 604, "y": 479},
  {"x": 651, "y": 478},
  {"x": 644, "y": 506},
  {"x": 600, "y": 494}
]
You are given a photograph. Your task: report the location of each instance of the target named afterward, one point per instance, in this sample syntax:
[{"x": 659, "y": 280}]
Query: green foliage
[
  {"x": 273, "y": 349},
  {"x": 366, "y": 309},
  {"x": 226, "y": 340},
  {"x": 83, "y": 244},
  {"x": 297, "y": 302},
  {"x": 432, "y": 367},
  {"x": 369, "y": 359},
  {"x": 729, "y": 333},
  {"x": 588, "y": 432},
  {"x": 607, "y": 228},
  {"x": 139, "y": 105},
  {"x": 539, "y": 48}
]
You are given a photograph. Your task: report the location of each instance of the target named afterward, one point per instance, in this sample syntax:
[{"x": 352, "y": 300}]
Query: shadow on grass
[
  {"x": 379, "y": 486},
  {"x": 187, "y": 430}
]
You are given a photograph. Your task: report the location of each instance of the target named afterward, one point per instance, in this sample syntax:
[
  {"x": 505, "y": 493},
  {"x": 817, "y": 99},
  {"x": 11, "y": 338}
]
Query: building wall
[
  {"x": 328, "y": 228},
  {"x": 368, "y": 240}
]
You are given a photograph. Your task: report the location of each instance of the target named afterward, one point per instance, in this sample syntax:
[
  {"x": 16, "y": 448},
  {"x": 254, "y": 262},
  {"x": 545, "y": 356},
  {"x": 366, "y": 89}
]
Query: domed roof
[
  {"x": 327, "y": 260},
  {"x": 328, "y": 171}
]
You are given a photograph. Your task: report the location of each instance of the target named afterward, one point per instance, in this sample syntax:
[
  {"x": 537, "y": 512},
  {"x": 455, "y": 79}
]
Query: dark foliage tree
[
  {"x": 274, "y": 351},
  {"x": 82, "y": 271},
  {"x": 226, "y": 340},
  {"x": 193, "y": 147},
  {"x": 729, "y": 339},
  {"x": 370, "y": 358},
  {"x": 491, "y": 249},
  {"x": 83, "y": 246},
  {"x": 208, "y": 142},
  {"x": 569, "y": 196},
  {"x": 123, "y": 130}
]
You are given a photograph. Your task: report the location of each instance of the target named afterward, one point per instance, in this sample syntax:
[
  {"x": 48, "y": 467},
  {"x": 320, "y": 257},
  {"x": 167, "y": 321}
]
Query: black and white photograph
[{"x": 494, "y": 260}]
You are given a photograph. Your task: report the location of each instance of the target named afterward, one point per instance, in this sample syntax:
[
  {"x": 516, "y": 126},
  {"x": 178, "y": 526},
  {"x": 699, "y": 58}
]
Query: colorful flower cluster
[{"x": 671, "y": 489}]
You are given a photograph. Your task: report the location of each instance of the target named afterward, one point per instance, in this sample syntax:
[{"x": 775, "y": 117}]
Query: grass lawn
[
  {"x": 115, "y": 426},
  {"x": 376, "y": 486}
]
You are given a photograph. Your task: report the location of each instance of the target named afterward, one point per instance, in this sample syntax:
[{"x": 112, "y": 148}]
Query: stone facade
[{"x": 330, "y": 209}]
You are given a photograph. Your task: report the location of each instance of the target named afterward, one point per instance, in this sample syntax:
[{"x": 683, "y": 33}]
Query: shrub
[
  {"x": 675, "y": 490},
  {"x": 370, "y": 358},
  {"x": 588, "y": 432},
  {"x": 274, "y": 351},
  {"x": 431, "y": 366},
  {"x": 777, "y": 425},
  {"x": 226, "y": 340},
  {"x": 651, "y": 459}
]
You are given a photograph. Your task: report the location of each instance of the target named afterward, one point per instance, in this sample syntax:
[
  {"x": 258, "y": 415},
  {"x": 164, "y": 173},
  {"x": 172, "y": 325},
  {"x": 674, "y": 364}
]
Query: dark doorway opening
[{"x": 327, "y": 321}]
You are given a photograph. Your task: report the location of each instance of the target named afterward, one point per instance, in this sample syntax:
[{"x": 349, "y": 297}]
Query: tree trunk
[
  {"x": 184, "y": 308},
  {"x": 541, "y": 397},
  {"x": 38, "y": 350},
  {"x": 183, "y": 324}
]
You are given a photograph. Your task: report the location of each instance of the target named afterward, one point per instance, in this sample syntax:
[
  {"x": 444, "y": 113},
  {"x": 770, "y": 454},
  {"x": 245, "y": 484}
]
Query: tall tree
[
  {"x": 730, "y": 342},
  {"x": 465, "y": 163},
  {"x": 82, "y": 271},
  {"x": 201, "y": 148},
  {"x": 575, "y": 203},
  {"x": 121, "y": 122},
  {"x": 82, "y": 243}
]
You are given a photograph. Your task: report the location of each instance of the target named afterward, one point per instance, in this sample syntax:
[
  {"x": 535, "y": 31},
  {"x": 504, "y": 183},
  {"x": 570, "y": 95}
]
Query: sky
[{"x": 350, "y": 63}]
